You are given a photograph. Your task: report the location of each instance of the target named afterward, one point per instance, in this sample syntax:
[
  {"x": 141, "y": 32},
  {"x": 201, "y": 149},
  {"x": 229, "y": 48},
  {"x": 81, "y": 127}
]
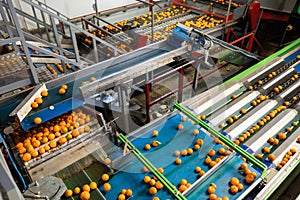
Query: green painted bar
[{"x": 226, "y": 141}]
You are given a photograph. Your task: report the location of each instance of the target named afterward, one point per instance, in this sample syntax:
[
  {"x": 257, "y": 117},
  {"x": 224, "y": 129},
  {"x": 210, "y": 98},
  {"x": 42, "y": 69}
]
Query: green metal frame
[
  {"x": 225, "y": 140},
  {"x": 266, "y": 60},
  {"x": 171, "y": 188}
]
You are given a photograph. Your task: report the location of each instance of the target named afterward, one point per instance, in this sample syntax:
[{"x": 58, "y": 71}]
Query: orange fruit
[
  {"x": 207, "y": 160},
  {"x": 93, "y": 185},
  {"x": 37, "y": 120},
  {"x": 201, "y": 173},
  {"x": 29, "y": 148},
  {"x": 271, "y": 140},
  {"x": 177, "y": 153},
  {"x": 52, "y": 144},
  {"x": 57, "y": 134},
  {"x": 123, "y": 191},
  {"x": 190, "y": 151},
  {"x": 266, "y": 150},
  {"x": 213, "y": 185},
  {"x": 293, "y": 151},
  {"x": 92, "y": 79},
  {"x": 75, "y": 133},
  {"x": 199, "y": 142},
  {"x": 155, "y": 198},
  {"x": 145, "y": 169},
  {"x": 182, "y": 188},
  {"x": 211, "y": 152},
  {"x": 64, "y": 87},
  {"x": 34, "y": 105},
  {"x": 26, "y": 157},
  {"x": 85, "y": 195},
  {"x": 62, "y": 140},
  {"x": 211, "y": 189},
  {"x": 212, "y": 163},
  {"x": 105, "y": 177},
  {"x": 244, "y": 166},
  {"x": 281, "y": 136},
  {"x": 183, "y": 182},
  {"x": 56, "y": 128},
  {"x": 61, "y": 91},
  {"x": 202, "y": 117},
  {"x": 183, "y": 119},
  {"x": 271, "y": 157},
  {"x": 147, "y": 179},
  {"x": 128, "y": 193},
  {"x": 221, "y": 151},
  {"x": 184, "y": 152},
  {"x": 36, "y": 143},
  {"x": 38, "y": 100},
  {"x": 106, "y": 186},
  {"x": 22, "y": 150},
  {"x": 196, "y": 147},
  {"x": 196, "y": 132},
  {"x": 213, "y": 197},
  {"x": 234, "y": 181},
  {"x": 51, "y": 136},
  {"x": 87, "y": 128},
  {"x": 64, "y": 129},
  {"x": 178, "y": 161},
  {"x": 147, "y": 147},
  {"x": 68, "y": 193},
  {"x": 47, "y": 147},
  {"x": 225, "y": 198},
  {"x": 234, "y": 189},
  {"x": 44, "y": 93},
  {"x": 180, "y": 126},
  {"x": 152, "y": 190},
  {"x": 86, "y": 187},
  {"x": 249, "y": 178},
  {"x": 152, "y": 182},
  {"x": 197, "y": 169},
  {"x": 107, "y": 161},
  {"x": 161, "y": 170},
  {"x": 34, "y": 154},
  {"x": 76, "y": 190},
  {"x": 159, "y": 185},
  {"x": 121, "y": 197},
  {"x": 240, "y": 186},
  {"x": 243, "y": 111},
  {"x": 41, "y": 150},
  {"x": 155, "y": 133}
]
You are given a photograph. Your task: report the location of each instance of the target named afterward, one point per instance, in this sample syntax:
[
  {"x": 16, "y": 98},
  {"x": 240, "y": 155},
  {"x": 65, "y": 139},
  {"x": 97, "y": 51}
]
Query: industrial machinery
[{"x": 83, "y": 135}]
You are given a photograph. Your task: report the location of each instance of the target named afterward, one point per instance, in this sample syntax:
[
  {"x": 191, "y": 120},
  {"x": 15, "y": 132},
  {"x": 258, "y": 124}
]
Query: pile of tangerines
[{"x": 51, "y": 134}]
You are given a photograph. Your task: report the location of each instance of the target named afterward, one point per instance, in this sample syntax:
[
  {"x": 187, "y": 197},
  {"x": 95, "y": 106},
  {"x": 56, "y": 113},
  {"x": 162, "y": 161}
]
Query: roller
[
  {"x": 278, "y": 123},
  {"x": 275, "y": 64},
  {"x": 289, "y": 143},
  {"x": 281, "y": 78},
  {"x": 251, "y": 118},
  {"x": 213, "y": 99},
  {"x": 233, "y": 107}
]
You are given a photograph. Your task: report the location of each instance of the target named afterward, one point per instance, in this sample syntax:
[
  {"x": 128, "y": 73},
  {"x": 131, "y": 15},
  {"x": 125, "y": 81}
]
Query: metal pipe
[{"x": 226, "y": 20}]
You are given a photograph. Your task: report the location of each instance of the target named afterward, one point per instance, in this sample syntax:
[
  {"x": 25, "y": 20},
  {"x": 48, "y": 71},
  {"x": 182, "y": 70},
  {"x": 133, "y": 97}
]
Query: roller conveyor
[
  {"x": 278, "y": 124},
  {"x": 250, "y": 118},
  {"x": 233, "y": 107}
]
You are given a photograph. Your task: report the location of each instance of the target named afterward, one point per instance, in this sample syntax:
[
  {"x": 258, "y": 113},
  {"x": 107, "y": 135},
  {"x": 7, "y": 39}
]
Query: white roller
[
  {"x": 251, "y": 120},
  {"x": 264, "y": 70},
  {"x": 223, "y": 115},
  {"x": 285, "y": 119},
  {"x": 210, "y": 101}
]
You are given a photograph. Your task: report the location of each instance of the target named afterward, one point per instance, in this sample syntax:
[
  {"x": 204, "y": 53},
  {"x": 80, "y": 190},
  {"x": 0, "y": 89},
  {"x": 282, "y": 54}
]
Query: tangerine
[
  {"x": 155, "y": 133},
  {"x": 38, "y": 100},
  {"x": 211, "y": 189},
  {"x": 106, "y": 186},
  {"x": 44, "y": 93},
  {"x": 85, "y": 195},
  {"x": 234, "y": 181},
  {"x": 128, "y": 193},
  {"x": 105, "y": 177},
  {"x": 34, "y": 105},
  {"x": 271, "y": 157},
  {"x": 234, "y": 189},
  {"x": 152, "y": 190},
  {"x": 37, "y": 120},
  {"x": 182, "y": 188},
  {"x": 68, "y": 193},
  {"x": 76, "y": 190},
  {"x": 61, "y": 91},
  {"x": 147, "y": 179},
  {"x": 26, "y": 157},
  {"x": 147, "y": 147},
  {"x": 86, "y": 188},
  {"x": 121, "y": 197}
]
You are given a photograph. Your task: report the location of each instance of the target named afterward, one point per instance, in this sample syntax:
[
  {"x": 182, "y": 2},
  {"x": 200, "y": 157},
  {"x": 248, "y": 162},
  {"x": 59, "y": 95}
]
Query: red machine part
[{"x": 253, "y": 14}]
